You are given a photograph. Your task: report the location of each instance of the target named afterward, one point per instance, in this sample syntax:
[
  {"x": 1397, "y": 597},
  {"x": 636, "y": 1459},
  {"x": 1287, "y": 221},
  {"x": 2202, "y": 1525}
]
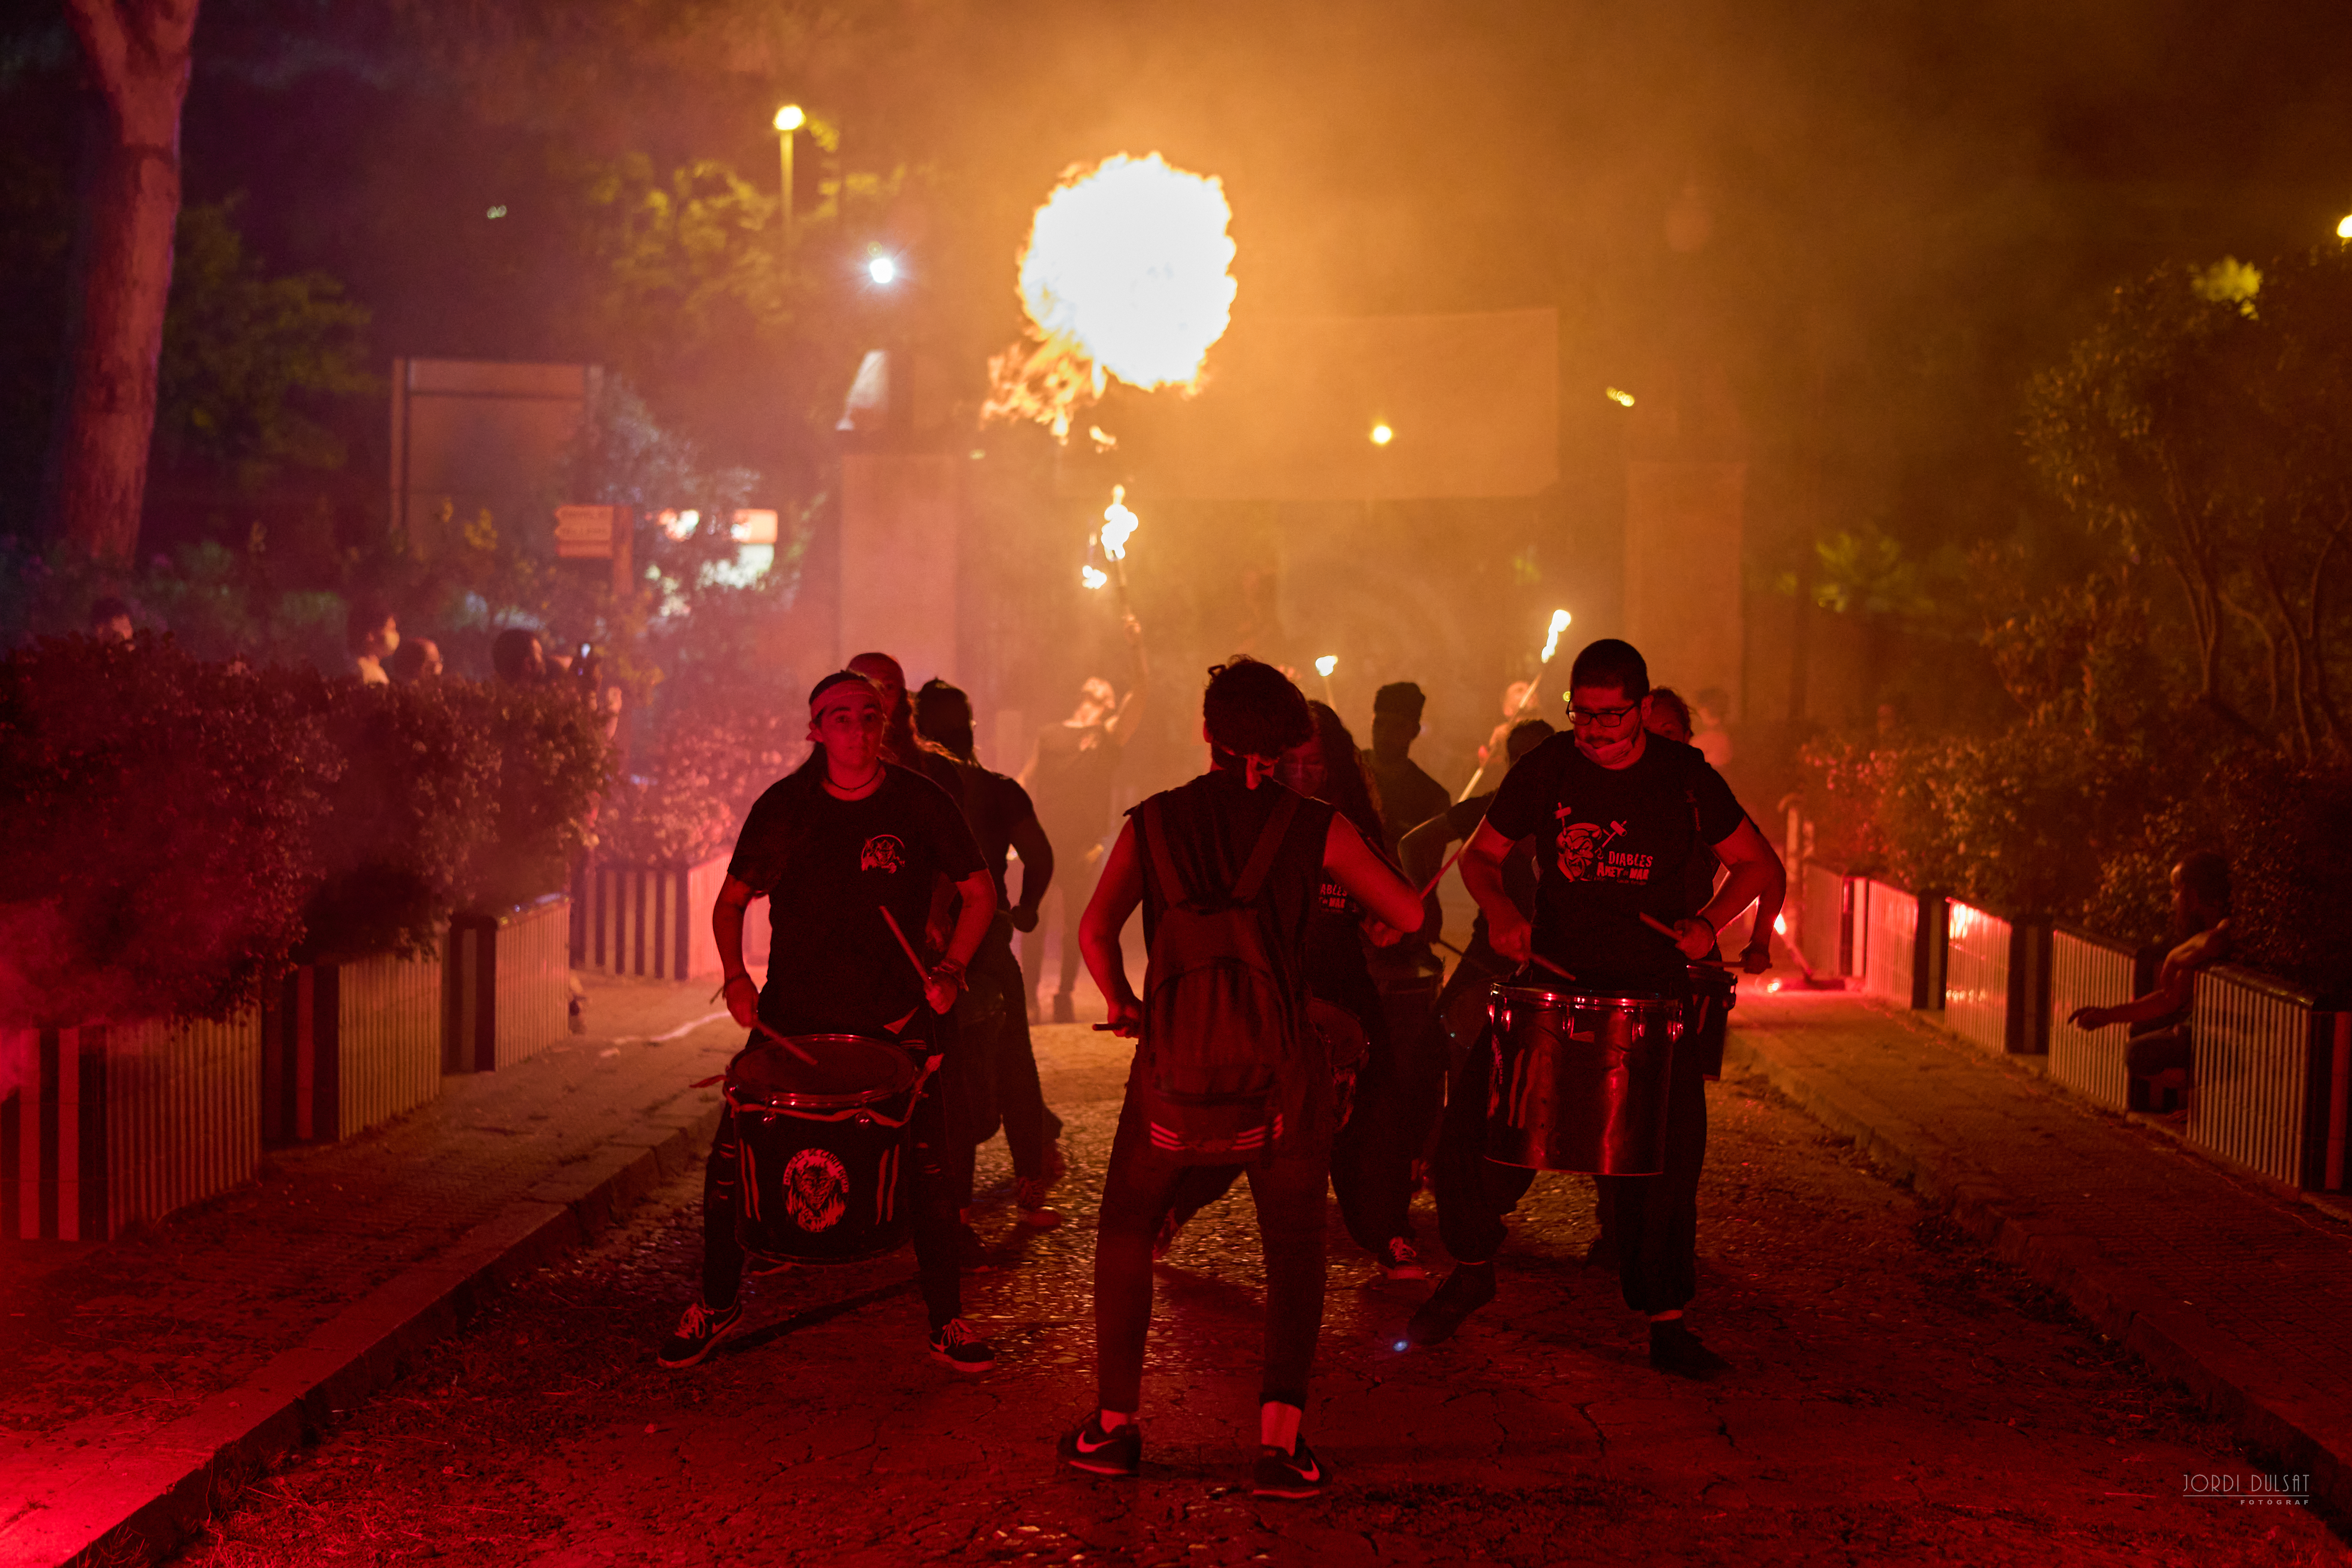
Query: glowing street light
[
  {"x": 1383, "y": 434},
  {"x": 882, "y": 270},
  {"x": 789, "y": 119},
  {"x": 1624, "y": 399}
]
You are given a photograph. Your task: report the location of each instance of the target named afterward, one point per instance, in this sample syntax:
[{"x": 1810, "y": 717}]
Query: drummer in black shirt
[
  {"x": 1620, "y": 813},
  {"x": 842, "y": 842}
]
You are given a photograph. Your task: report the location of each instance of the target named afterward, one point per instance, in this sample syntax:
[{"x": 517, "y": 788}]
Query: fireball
[{"x": 1127, "y": 273}]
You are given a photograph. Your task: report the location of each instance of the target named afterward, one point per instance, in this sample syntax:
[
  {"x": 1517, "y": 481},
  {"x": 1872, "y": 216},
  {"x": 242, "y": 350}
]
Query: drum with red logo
[
  {"x": 824, "y": 1143},
  {"x": 1580, "y": 1079}
]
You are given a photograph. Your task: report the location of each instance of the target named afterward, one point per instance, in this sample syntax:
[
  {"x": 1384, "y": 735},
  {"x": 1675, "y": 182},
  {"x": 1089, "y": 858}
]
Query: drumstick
[
  {"x": 1444, "y": 868},
  {"x": 906, "y": 946},
  {"x": 1660, "y": 926},
  {"x": 1548, "y": 964},
  {"x": 783, "y": 1041}
]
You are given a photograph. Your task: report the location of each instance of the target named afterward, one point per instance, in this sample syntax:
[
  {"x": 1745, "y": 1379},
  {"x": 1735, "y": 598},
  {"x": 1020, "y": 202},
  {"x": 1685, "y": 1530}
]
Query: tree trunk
[{"x": 137, "y": 52}]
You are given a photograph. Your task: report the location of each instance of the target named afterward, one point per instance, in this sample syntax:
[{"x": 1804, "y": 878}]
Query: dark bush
[
  {"x": 555, "y": 762},
  {"x": 158, "y": 814},
  {"x": 413, "y": 810},
  {"x": 705, "y": 772}
]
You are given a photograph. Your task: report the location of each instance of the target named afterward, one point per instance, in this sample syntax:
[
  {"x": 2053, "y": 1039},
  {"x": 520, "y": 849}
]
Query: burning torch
[
  {"x": 1119, "y": 524},
  {"x": 1560, "y": 620},
  {"x": 1323, "y": 667}
]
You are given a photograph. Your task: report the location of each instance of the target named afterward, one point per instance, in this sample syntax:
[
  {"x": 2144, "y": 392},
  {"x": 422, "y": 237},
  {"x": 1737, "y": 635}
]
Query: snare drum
[
  {"x": 1580, "y": 1079},
  {"x": 823, "y": 1145}
]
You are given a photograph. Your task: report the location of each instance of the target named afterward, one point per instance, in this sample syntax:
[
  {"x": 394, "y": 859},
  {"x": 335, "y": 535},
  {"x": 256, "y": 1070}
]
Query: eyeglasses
[{"x": 1607, "y": 718}]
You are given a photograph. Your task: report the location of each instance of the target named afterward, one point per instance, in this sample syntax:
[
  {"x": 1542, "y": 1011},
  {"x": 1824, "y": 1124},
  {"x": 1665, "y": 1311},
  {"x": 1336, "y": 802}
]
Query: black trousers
[
  {"x": 1140, "y": 1186},
  {"x": 1654, "y": 1218},
  {"x": 1399, "y": 1094},
  {"x": 996, "y": 1078},
  {"x": 930, "y": 1196}
]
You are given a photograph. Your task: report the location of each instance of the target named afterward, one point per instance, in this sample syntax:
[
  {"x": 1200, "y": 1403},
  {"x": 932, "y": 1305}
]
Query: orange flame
[{"x": 1127, "y": 274}]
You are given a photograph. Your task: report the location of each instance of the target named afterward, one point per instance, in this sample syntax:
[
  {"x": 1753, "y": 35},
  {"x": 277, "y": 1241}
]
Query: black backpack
[{"x": 1224, "y": 1030}]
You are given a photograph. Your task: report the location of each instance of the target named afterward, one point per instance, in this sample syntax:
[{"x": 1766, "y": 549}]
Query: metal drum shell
[
  {"x": 823, "y": 1161},
  {"x": 1707, "y": 1019},
  {"x": 1581, "y": 1078}
]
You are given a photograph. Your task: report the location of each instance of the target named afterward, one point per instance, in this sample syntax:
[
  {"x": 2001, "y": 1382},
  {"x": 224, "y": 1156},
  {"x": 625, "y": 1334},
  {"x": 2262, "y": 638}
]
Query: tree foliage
[
  {"x": 2200, "y": 425},
  {"x": 249, "y": 356}
]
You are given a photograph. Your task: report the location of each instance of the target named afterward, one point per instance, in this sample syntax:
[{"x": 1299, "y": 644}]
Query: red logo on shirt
[{"x": 883, "y": 851}]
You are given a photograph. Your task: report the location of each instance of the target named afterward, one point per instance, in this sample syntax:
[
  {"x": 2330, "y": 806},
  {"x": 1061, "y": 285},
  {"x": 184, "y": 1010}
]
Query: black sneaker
[
  {"x": 953, "y": 1344},
  {"x": 1399, "y": 1261},
  {"x": 1676, "y": 1351},
  {"x": 699, "y": 1331},
  {"x": 1101, "y": 1453},
  {"x": 1468, "y": 1288},
  {"x": 1296, "y": 1474}
]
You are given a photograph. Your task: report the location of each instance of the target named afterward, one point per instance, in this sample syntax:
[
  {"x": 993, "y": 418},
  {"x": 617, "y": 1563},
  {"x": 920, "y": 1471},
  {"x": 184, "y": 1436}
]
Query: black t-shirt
[
  {"x": 1615, "y": 845},
  {"x": 1519, "y": 875},
  {"x": 829, "y": 867},
  {"x": 993, "y": 805},
  {"x": 1408, "y": 796}
]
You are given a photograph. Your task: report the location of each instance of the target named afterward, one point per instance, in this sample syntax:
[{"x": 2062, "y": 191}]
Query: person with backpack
[
  {"x": 1619, "y": 813},
  {"x": 1227, "y": 870}
]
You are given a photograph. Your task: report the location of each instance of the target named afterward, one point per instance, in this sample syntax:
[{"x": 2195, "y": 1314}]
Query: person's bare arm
[
  {"x": 1117, "y": 892},
  {"x": 1422, "y": 851},
  {"x": 978, "y": 893},
  {"x": 727, "y": 925},
  {"x": 1757, "y": 877},
  {"x": 1507, "y": 931},
  {"x": 1386, "y": 896},
  {"x": 1036, "y": 871},
  {"x": 2175, "y": 984}
]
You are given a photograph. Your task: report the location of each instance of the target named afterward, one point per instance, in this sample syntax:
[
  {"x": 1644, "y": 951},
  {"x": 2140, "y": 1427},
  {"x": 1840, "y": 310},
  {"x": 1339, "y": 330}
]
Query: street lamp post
[{"x": 788, "y": 119}]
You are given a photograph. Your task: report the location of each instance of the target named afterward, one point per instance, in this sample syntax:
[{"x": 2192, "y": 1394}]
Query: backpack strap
[
  {"x": 1153, "y": 830},
  {"x": 1269, "y": 844}
]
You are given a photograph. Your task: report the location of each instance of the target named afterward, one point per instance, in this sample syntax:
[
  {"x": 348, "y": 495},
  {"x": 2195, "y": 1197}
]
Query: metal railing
[
  {"x": 1886, "y": 929},
  {"x": 2264, "y": 1090},
  {"x": 1825, "y": 921},
  {"x": 2088, "y": 971},
  {"x": 1977, "y": 976}
]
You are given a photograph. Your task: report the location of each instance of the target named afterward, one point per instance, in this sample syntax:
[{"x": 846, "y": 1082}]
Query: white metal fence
[
  {"x": 2260, "y": 1092},
  {"x": 1886, "y": 930},
  {"x": 2088, "y": 971},
  {"x": 1977, "y": 976},
  {"x": 1825, "y": 921}
]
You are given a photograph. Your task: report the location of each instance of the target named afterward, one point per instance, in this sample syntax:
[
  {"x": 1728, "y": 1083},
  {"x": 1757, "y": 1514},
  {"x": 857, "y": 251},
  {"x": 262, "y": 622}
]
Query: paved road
[{"x": 1897, "y": 1396}]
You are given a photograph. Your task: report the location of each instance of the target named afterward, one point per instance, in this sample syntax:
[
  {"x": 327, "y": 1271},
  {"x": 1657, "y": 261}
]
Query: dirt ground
[{"x": 1897, "y": 1396}]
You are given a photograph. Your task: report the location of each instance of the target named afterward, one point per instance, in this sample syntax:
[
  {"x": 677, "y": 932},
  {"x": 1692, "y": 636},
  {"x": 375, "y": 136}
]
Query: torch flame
[
  {"x": 1325, "y": 665},
  {"x": 1092, "y": 578},
  {"x": 1118, "y": 523},
  {"x": 1127, "y": 274},
  {"x": 1560, "y": 619}
]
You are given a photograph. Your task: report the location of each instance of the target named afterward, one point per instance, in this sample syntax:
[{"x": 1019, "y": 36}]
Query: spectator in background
[
  {"x": 1515, "y": 700},
  {"x": 416, "y": 659},
  {"x": 1705, "y": 723},
  {"x": 110, "y": 620},
  {"x": 2159, "y": 1019},
  {"x": 517, "y": 658},
  {"x": 1408, "y": 796},
  {"x": 373, "y": 636}
]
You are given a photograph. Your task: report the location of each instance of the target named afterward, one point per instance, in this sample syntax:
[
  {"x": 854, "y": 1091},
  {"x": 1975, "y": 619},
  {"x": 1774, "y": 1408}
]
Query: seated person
[{"x": 2160, "y": 1019}]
